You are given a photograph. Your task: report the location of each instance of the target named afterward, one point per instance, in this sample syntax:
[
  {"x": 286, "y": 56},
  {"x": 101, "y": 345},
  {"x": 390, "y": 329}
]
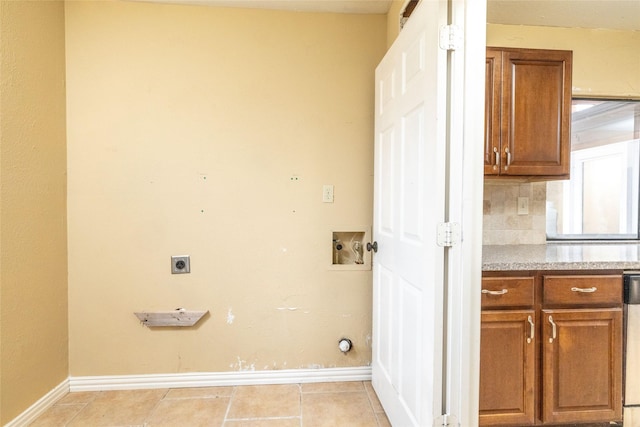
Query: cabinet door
[
  {"x": 582, "y": 365},
  {"x": 492, "y": 112},
  {"x": 507, "y": 371},
  {"x": 536, "y": 112}
]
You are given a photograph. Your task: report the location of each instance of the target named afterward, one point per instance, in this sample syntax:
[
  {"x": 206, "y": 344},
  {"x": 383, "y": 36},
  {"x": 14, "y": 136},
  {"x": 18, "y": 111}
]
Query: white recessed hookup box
[{"x": 349, "y": 248}]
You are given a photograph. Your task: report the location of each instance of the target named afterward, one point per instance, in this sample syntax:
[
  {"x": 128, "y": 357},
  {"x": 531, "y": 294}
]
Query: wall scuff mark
[{"x": 242, "y": 365}]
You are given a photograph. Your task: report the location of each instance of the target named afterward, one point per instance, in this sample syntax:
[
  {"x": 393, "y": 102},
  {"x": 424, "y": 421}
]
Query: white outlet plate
[{"x": 523, "y": 205}]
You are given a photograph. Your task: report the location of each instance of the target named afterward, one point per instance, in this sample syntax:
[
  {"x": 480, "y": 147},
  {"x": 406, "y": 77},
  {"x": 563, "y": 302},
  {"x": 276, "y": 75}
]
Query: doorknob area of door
[{"x": 372, "y": 247}]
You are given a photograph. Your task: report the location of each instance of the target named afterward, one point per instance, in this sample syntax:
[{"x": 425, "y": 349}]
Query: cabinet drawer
[
  {"x": 507, "y": 292},
  {"x": 582, "y": 290}
]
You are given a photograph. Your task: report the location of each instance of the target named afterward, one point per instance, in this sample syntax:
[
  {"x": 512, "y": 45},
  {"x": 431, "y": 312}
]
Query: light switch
[{"x": 327, "y": 193}]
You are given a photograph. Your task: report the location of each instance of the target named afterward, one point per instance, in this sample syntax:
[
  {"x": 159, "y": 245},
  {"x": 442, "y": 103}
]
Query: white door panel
[
  {"x": 408, "y": 268},
  {"x": 425, "y": 321}
]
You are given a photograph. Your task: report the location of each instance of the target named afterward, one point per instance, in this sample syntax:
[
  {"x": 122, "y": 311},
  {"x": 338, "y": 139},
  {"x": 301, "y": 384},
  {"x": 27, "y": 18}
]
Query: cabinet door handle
[
  {"x": 488, "y": 292},
  {"x": 584, "y": 290},
  {"x": 554, "y": 331},
  {"x": 532, "y": 329},
  {"x": 496, "y": 154},
  {"x": 508, "y": 153}
]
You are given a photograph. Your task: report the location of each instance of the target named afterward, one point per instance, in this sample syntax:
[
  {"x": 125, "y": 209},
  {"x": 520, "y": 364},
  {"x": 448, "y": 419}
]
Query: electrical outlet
[
  {"x": 180, "y": 264},
  {"x": 523, "y": 205}
]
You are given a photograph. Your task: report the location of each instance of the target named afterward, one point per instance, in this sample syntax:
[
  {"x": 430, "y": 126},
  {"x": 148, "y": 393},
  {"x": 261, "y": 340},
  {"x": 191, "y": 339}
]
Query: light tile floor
[{"x": 348, "y": 404}]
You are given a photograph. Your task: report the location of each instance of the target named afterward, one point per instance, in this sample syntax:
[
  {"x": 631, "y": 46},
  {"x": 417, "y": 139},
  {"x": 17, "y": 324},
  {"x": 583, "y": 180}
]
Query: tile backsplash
[{"x": 502, "y": 225}]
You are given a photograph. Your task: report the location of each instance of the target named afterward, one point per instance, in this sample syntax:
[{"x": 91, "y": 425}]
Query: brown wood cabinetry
[
  {"x": 582, "y": 348},
  {"x": 527, "y": 112},
  {"x": 551, "y": 349},
  {"x": 507, "y": 351},
  {"x": 507, "y": 367}
]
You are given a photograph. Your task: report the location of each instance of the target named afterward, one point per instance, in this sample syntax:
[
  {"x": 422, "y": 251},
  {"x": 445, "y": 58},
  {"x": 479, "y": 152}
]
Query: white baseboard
[
  {"x": 211, "y": 379},
  {"x": 44, "y": 403}
]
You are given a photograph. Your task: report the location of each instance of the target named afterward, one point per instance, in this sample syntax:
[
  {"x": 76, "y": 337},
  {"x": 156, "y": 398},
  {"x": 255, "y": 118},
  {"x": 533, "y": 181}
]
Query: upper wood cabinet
[{"x": 528, "y": 112}]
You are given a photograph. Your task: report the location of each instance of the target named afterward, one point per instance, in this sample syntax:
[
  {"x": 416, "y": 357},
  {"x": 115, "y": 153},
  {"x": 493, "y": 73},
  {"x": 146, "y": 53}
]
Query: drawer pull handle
[
  {"x": 584, "y": 290},
  {"x": 488, "y": 292},
  {"x": 508, "y": 153},
  {"x": 554, "y": 331},
  {"x": 533, "y": 330}
]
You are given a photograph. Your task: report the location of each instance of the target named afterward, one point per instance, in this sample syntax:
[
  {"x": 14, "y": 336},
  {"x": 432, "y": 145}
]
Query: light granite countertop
[{"x": 562, "y": 256}]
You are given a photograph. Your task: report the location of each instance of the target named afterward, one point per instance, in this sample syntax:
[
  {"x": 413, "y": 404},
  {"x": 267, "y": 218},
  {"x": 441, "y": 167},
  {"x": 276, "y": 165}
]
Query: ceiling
[{"x": 610, "y": 14}]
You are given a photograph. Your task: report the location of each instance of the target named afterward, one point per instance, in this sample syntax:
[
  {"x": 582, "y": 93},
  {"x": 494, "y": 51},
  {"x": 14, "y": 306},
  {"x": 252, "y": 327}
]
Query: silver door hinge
[
  {"x": 448, "y": 234},
  {"x": 446, "y": 420},
  {"x": 450, "y": 37}
]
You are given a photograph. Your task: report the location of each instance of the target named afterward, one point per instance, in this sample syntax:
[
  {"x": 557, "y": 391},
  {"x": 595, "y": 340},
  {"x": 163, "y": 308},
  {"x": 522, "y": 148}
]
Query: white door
[{"x": 413, "y": 317}]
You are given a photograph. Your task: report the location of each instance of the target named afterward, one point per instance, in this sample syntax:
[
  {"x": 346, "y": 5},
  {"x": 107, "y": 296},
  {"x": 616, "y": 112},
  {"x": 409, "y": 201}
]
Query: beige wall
[
  {"x": 605, "y": 64},
  {"x": 393, "y": 20},
  {"x": 186, "y": 125},
  {"x": 33, "y": 255}
]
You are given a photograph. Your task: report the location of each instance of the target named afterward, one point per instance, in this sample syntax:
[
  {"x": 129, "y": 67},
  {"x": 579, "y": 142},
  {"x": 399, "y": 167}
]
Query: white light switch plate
[{"x": 327, "y": 193}]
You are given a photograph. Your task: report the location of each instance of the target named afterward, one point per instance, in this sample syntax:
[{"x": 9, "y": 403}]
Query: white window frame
[
  {"x": 572, "y": 190},
  {"x": 573, "y": 204}
]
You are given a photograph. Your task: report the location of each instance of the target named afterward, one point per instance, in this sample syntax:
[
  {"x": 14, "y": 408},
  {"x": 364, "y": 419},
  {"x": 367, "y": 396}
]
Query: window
[{"x": 600, "y": 201}]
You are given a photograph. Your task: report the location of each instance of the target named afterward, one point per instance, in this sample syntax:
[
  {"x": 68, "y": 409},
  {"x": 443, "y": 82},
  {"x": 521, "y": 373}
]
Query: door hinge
[
  {"x": 448, "y": 234},
  {"x": 446, "y": 420},
  {"x": 450, "y": 37}
]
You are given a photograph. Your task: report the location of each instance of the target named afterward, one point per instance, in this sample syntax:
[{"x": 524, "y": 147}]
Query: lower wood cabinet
[
  {"x": 582, "y": 365},
  {"x": 507, "y": 367},
  {"x": 551, "y": 352}
]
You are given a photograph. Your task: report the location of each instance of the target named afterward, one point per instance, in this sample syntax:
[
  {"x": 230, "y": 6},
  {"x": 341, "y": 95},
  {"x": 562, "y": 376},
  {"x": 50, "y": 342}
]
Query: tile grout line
[
  {"x": 145, "y": 422},
  {"x": 368, "y": 391},
  {"x": 194, "y": 397},
  {"x": 84, "y": 406},
  {"x": 264, "y": 418},
  {"x": 226, "y": 414},
  {"x": 300, "y": 396}
]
